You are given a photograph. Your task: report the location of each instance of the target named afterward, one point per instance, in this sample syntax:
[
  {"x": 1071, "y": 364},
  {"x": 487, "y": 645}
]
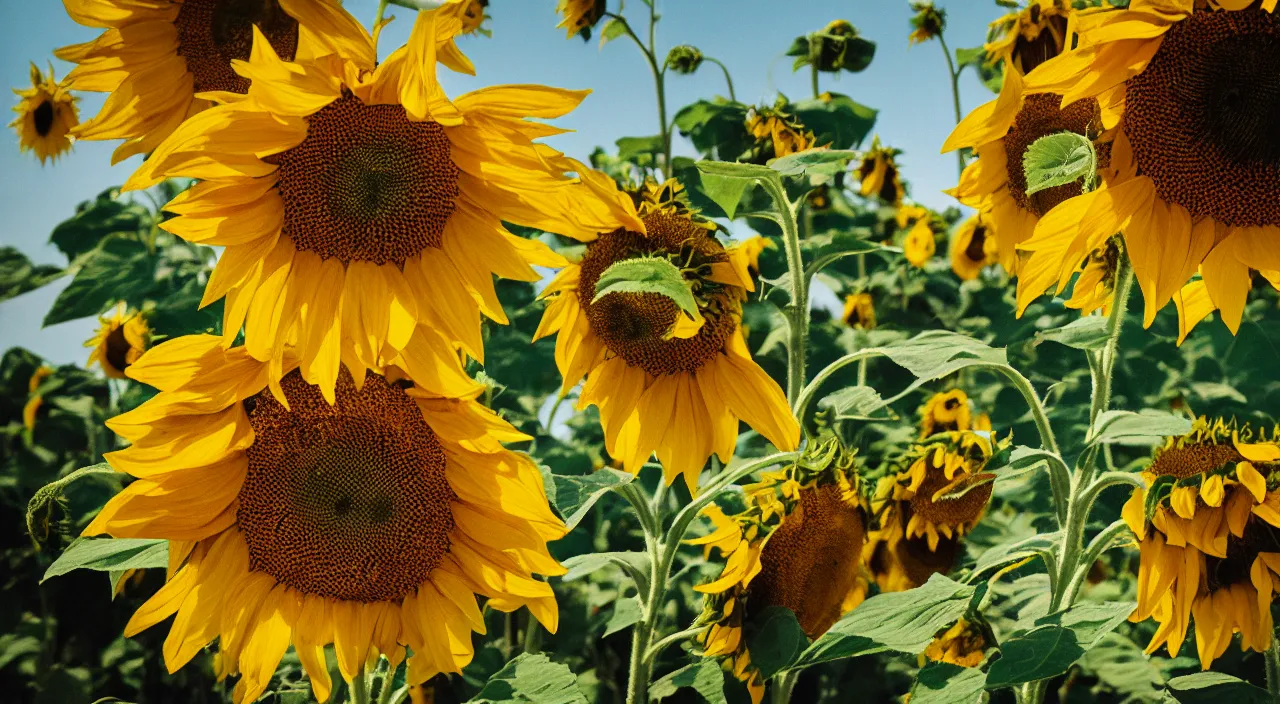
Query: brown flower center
[
  {"x": 1191, "y": 460},
  {"x": 632, "y": 325},
  {"x": 1041, "y": 116},
  {"x": 116, "y": 349},
  {"x": 211, "y": 33},
  {"x": 43, "y": 118},
  {"x": 1259, "y": 536},
  {"x": 348, "y": 501},
  {"x": 1202, "y": 117},
  {"x": 976, "y": 251},
  {"x": 1030, "y": 53},
  {"x": 959, "y": 512},
  {"x": 367, "y": 183}
]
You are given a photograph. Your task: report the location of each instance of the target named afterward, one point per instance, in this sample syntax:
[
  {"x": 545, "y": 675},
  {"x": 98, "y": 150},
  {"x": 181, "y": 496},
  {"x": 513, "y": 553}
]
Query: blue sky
[{"x": 908, "y": 85}]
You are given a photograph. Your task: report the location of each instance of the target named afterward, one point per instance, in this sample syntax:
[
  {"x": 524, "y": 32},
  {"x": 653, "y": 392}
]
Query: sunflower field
[{"x": 399, "y": 395}]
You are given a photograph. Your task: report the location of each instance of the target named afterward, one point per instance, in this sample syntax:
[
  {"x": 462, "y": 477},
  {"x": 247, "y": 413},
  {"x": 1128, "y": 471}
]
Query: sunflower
[
  {"x": 1194, "y": 303},
  {"x": 777, "y": 133},
  {"x": 859, "y": 311},
  {"x": 1029, "y": 37},
  {"x": 972, "y": 248},
  {"x": 963, "y": 644},
  {"x": 1189, "y": 87},
  {"x": 34, "y": 400},
  {"x": 796, "y": 545},
  {"x": 878, "y": 172},
  {"x": 927, "y": 23},
  {"x": 370, "y": 522},
  {"x": 931, "y": 498},
  {"x": 920, "y": 244},
  {"x": 356, "y": 201},
  {"x": 473, "y": 16},
  {"x": 46, "y": 115},
  {"x": 661, "y": 384},
  {"x": 950, "y": 411},
  {"x": 1094, "y": 288},
  {"x": 1208, "y": 527},
  {"x": 580, "y": 16},
  {"x": 120, "y": 341}
]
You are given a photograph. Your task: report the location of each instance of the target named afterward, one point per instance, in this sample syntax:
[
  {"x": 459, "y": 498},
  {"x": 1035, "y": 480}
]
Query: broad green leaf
[
  {"x": 573, "y": 495},
  {"x": 944, "y": 683},
  {"x": 647, "y": 275},
  {"x": 626, "y": 613},
  {"x": 1021, "y": 460},
  {"x": 1058, "y": 159},
  {"x": 580, "y": 566},
  {"x": 18, "y": 275},
  {"x": 641, "y": 150},
  {"x": 1121, "y": 666},
  {"x": 936, "y": 353},
  {"x": 853, "y": 403},
  {"x": 14, "y": 646},
  {"x": 724, "y": 191},
  {"x": 531, "y": 679},
  {"x": 837, "y": 121},
  {"x": 705, "y": 676},
  {"x": 613, "y": 29},
  {"x": 820, "y": 165},
  {"x": 715, "y": 127},
  {"x": 1091, "y": 620},
  {"x": 1146, "y": 427},
  {"x": 1086, "y": 333},
  {"x": 776, "y": 640},
  {"x": 905, "y": 622},
  {"x": 110, "y": 555},
  {"x": 121, "y": 269},
  {"x": 1008, "y": 553},
  {"x": 97, "y": 219},
  {"x": 1046, "y": 652},
  {"x": 1215, "y": 687}
]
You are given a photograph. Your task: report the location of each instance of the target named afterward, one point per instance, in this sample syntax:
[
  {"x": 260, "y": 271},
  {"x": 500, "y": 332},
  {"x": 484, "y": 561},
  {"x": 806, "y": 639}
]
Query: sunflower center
[
  {"x": 211, "y": 33},
  {"x": 1202, "y": 117},
  {"x": 1191, "y": 460},
  {"x": 632, "y": 325},
  {"x": 116, "y": 348},
  {"x": 43, "y": 117},
  {"x": 367, "y": 184},
  {"x": 1030, "y": 53},
  {"x": 919, "y": 562},
  {"x": 1259, "y": 537},
  {"x": 348, "y": 501},
  {"x": 1042, "y": 115},
  {"x": 976, "y": 251},
  {"x": 959, "y": 512}
]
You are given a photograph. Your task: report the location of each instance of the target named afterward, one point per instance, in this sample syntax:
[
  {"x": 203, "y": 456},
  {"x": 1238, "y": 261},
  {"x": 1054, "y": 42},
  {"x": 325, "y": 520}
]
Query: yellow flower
[
  {"x": 663, "y": 385},
  {"x": 34, "y": 400},
  {"x": 120, "y": 341},
  {"x": 859, "y": 311},
  {"x": 1206, "y": 552},
  {"x": 356, "y": 200},
  {"x": 370, "y": 522},
  {"x": 1195, "y": 181},
  {"x": 778, "y": 134},
  {"x": 920, "y": 244},
  {"x": 1095, "y": 286},
  {"x": 879, "y": 174},
  {"x": 962, "y": 644},
  {"x": 1030, "y": 36},
  {"x": 947, "y": 411},
  {"x": 46, "y": 115},
  {"x": 1194, "y": 303},
  {"x": 927, "y": 23},
  {"x": 473, "y": 15},
  {"x": 803, "y": 555},
  {"x": 580, "y": 16},
  {"x": 972, "y": 248}
]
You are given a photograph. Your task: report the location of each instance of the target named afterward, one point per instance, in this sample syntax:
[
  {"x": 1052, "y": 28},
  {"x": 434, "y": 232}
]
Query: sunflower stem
[
  {"x": 1107, "y": 357},
  {"x": 1273, "y": 668},
  {"x": 798, "y": 310},
  {"x": 727, "y": 78},
  {"x": 813, "y": 78},
  {"x": 780, "y": 693},
  {"x": 360, "y": 687},
  {"x": 955, "y": 92},
  {"x": 659, "y": 81}
]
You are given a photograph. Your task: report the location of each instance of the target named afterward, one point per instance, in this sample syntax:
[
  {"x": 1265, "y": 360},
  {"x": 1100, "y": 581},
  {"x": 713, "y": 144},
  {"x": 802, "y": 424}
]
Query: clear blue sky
[{"x": 907, "y": 84}]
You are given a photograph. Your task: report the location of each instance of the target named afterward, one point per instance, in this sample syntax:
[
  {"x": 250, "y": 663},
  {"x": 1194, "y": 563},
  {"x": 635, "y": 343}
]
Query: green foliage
[
  {"x": 944, "y": 683},
  {"x": 1041, "y": 654},
  {"x": 1059, "y": 159},
  {"x": 18, "y": 275},
  {"x": 531, "y": 679},
  {"x": 647, "y": 275},
  {"x": 110, "y": 555}
]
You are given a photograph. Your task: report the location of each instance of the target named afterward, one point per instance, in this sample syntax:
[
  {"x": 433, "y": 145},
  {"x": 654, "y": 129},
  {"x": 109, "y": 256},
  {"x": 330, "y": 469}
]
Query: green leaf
[
  {"x": 1008, "y": 553},
  {"x": 837, "y": 121},
  {"x": 775, "y": 640},
  {"x": 1090, "y": 620},
  {"x": 531, "y": 679},
  {"x": 820, "y": 165},
  {"x": 1144, "y": 428},
  {"x": 944, "y": 683},
  {"x": 1059, "y": 159},
  {"x": 97, "y": 219},
  {"x": 1121, "y": 666},
  {"x": 715, "y": 127},
  {"x": 1214, "y": 687},
  {"x": 574, "y": 495},
  {"x": 647, "y": 275},
  {"x": 580, "y": 566},
  {"x": 905, "y": 622},
  {"x": 724, "y": 191},
  {"x": 1157, "y": 493},
  {"x": 14, "y": 646},
  {"x": 1086, "y": 333},
  {"x": 110, "y": 555},
  {"x": 1046, "y": 652},
  {"x": 853, "y": 403},
  {"x": 626, "y": 613},
  {"x": 18, "y": 275},
  {"x": 121, "y": 269},
  {"x": 705, "y": 676},
  {"x": 639, "y": 150},
  {"x": 613, "y": 29},
  {"x": 937, "y": 353}
]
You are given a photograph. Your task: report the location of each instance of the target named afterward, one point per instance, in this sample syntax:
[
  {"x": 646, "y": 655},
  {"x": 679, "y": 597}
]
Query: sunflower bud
[
  {"x": 684, "y": 59},
  {"x": 928, "y": 22}
]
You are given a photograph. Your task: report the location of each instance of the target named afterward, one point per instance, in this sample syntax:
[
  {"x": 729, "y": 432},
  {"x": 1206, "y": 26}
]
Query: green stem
[
  {"x": 1107, "y": 357},
  {"x": 798, "y": 309},
  {"x": 387, "y": 689},
  {"x": 656, "y": 649},
  {"x": 782, "y": 685},
  {"x": 813, "y": 78},
  {"x": 862, "y": 286},
  {"x": 659, "y": 79},
  {"x": 727, "y": 78},
  {"x": 532, "y": 636},
  {"x": 1273, "y": 668},
  {"x": 360, "y": 687},
  {"x": 1048, "y": 440},
  {"x": 1096, "y": 547},
  {"x": 955, "y": 91}
]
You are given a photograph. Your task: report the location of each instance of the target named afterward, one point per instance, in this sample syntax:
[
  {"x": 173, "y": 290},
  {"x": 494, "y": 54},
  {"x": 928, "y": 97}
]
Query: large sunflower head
[
  {"x": 797, "y": 545},
  {"x": 777, "y": 133},
  {"x": 973, "y": 248},
  {"x": 120, "y": 341},
  {"x": 46, "y": 115},
  {"x": 1191, "y": 88},
  {"x": 859, "y": 311},
  {"x": 371, "y": 521},
  {"x": 927, "y": 502},
  {"x": 879, "y": 175},
  {"x": 355, "y": 200},
  {"x": 580, "y": 16},
  {"x": 1208, "y": 527},
  {"x": 1030, "y": 36},
  {"x": 662, "y": 382}
]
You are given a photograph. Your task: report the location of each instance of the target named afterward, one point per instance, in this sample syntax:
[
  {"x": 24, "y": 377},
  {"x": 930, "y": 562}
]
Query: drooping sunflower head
[
  {"x": 927, "y": 22},
  {"x": 963, "y": 644},
  {"x": 777, "y": 133},
  {"x": 859, "y": 311},
  {"x": 46, "y": 115},
  {"x": 879, "y": 175},
  {"x": 797, "y": 545},
  {"x": 684, "y": 59},
  {"x": 1095, "y": 287},
  {"x": 947, "y": 411},
  {"x": 371, "y": 522},
  {"x": 580, "y": 16},
  {"x": 973, "y": 248},
  {"x": 120, "y": 341},
  {"x": 474, "y": 15},
  {"x": 1208, "y": 526},
  {"x": 31, "y": 408},
  {"x": 1030, "y": 36}
]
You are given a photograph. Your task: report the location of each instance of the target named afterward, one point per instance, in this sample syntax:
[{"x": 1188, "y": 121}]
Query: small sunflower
[
  {"x": 371, "y": 522},
  {"x": 1189, "y": 87},
  {"x": 928, "y": 502},
  {"x": 878, "y": 172},
  {"x": 46, "y": 115},
  {"x": 1030, "y": 36},
  {"x": 580, "y": 16},
  {"x": 777, "y": 133},
  {"x": 797, "y": 545},
  {"x": 356, "y": 200},
  {"x": 34, "y": 400},
  {"x": 950, "y": 411},
  {"x": 1208, "y": 528},
  {"x": 920, "y": 243},
  {"x": 120, "y": 341},
  {"x": 859, "y": 311},
  {"x": 661, "y": 384},
  {"x": 927, "y": 22},
  {"x": 973, "y": 248},
  {"x": 963, "y": 644}
]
